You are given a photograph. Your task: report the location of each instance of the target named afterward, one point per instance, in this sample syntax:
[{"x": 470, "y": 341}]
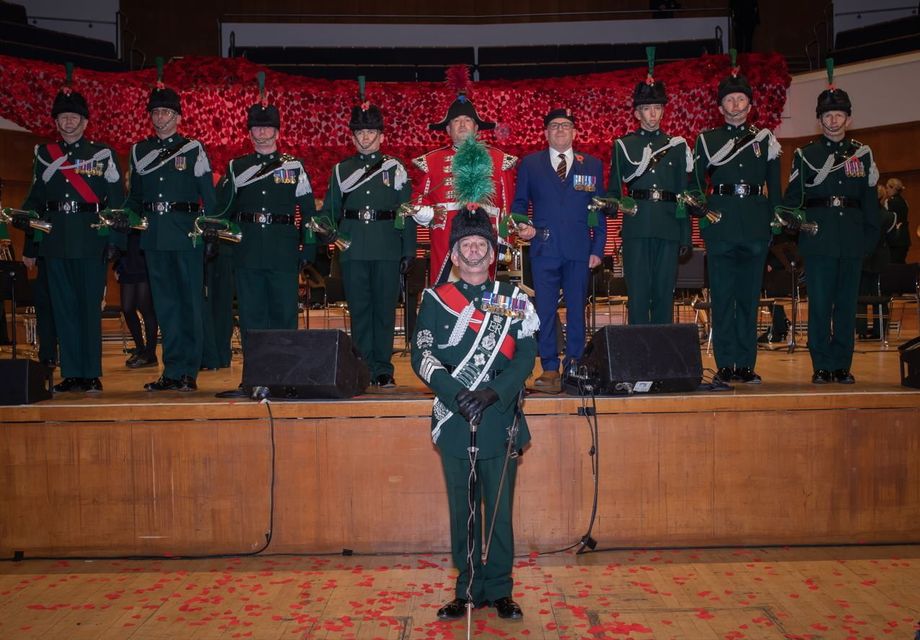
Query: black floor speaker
[
  {"x": 24, "y": 382},
  {"x": 320, "y": 363},
  {"x": 910, "y": 363},
  {"x": 658, "y": 358}
]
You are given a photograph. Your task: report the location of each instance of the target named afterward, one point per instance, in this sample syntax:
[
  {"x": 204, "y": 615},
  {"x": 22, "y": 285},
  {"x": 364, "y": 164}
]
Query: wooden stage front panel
[{"x": 700, "y": 469}]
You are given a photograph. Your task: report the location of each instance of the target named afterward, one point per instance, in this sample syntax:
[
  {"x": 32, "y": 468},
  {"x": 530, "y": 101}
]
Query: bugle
[{"x": 7, "y": 215}]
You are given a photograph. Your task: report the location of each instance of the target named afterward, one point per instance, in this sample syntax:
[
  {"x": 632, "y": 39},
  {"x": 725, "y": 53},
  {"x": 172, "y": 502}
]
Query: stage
[{"x": 127, "y": 472}]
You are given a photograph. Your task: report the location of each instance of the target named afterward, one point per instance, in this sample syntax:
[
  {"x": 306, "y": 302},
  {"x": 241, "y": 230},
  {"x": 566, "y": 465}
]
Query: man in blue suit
[{"x": 565, "y": 241}]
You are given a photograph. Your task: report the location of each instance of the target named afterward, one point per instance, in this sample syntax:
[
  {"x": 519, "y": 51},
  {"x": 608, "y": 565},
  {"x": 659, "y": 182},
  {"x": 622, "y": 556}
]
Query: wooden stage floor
[{"x": 815, "y": 593}]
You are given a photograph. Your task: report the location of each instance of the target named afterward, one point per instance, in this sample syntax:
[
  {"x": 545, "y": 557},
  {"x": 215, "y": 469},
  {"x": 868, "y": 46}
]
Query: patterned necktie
[{"x": 561, "y": 168}]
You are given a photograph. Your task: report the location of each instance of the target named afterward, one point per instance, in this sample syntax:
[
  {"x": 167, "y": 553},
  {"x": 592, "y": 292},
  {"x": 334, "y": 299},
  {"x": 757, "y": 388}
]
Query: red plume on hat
[{"x": 459, "y": 81}]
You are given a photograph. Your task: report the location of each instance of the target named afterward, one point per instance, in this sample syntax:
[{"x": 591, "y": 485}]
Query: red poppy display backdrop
[{"x": 216, "y": 92}]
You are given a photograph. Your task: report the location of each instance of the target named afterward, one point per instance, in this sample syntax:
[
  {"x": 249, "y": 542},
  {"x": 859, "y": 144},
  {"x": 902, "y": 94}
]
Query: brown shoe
[{"x": 549, "y": 382}]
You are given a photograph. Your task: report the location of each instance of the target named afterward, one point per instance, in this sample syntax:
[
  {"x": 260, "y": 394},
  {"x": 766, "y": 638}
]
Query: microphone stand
[
  {"x": 471, "y": 527},
  {"x": 510, "y": 452}
]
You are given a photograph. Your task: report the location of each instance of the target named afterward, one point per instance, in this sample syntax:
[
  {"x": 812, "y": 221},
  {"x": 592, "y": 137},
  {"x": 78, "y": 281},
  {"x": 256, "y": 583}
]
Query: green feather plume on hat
[
  {"x": 829, "y": 64},
  {"x": 472, "y": 170}
]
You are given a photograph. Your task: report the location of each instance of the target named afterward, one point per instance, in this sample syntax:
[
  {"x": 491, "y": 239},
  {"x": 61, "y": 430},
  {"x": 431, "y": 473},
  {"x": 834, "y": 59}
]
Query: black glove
[
  {"x": 21, "y": 222},
  {"x": 793, "y": 224},
  {"x": 210, "y": 234},
  {"x": 405, "y": 263},
  {"x": 120, "y": 223},
  {"x": 684, "y": 251},
  {"x": 111, "y": 253},
  {"x": 473, "y": 403},
  {"x": 304, "y": 263},
  {"x": 211, "y": 248},
  {"x": 327, "y": 236}
]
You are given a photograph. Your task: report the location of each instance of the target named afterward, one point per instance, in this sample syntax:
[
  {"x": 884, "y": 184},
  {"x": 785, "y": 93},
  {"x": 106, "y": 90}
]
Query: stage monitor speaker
[
  {"x": 24, "y": 382},
  {"x": 319, "y": 363},
  {"x": 658, "y": 358},
  {"x": 910, "y": 363}
]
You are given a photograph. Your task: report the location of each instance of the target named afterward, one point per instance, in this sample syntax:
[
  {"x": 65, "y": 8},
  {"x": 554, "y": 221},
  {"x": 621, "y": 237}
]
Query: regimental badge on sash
[
  {"x": 585, "y": 183},
  {"x": 503, "y": 305},
  {"x": 88, "y": 168},
  {"x": 180, "y": 163},
  {"x": 285, "y": 176},
  {"x": 756, "y": 147},
  {"x": 854, "y": 168}
]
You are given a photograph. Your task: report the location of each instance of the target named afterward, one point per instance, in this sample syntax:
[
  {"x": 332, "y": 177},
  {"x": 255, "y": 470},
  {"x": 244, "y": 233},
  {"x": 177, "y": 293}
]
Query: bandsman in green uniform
[
  {"x": 171, "y": 184},
  {"x": 833, "y": 179},
  {"x": 899, "y": 230},
  {"x": 73, "y": 180},
  {"x": 652, "y": 168},
  {"x": 262, "y": 191},
  {"x": 737, "y": 165},
  {"x": 474, "y": 348},
  {"x": 364, "y": 195}
]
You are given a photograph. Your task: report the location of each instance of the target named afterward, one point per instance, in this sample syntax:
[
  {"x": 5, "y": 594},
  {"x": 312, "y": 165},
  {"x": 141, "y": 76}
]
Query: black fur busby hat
[
  {"x": 472, "y": 221},
  {"x": 832, "y": 98},
  {"x": 67, "y": 100},
  {"x": 734, "y": 82},
  {"x": 458, "y": 78},
  {"x": 263, "y": 114},
  {"x": 365, "y": 115},
  {"x": 162, "y": 97},
  {"x": 558, "y": 113},
  {"x": 649, "y": 91}
]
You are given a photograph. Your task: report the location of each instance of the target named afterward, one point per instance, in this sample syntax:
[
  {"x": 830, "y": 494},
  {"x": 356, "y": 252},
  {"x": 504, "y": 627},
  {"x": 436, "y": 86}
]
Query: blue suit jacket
[{"x": 561, "y": 207}]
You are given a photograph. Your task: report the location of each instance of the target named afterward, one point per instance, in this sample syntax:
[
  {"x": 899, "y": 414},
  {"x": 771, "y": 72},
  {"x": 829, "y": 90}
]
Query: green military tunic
[
  {"x": 444, "y": 337},
  {"x": 218, "y": 308},
  {"x": 835, "y": 183},
  {"x": 646, "y": 161},
  {"x": 899, "y": 236},
  {"x": 262, "y": 192},
  {"x": 741, "y": 162},
  {"x": 171, "y": 184},
  {"x": 365, "y": 192},
  {"x": 74, "y": 251}
]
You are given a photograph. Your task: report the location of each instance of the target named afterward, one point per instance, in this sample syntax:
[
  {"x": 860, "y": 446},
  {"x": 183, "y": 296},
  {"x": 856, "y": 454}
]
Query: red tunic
[{"x": 437, "y": 190}]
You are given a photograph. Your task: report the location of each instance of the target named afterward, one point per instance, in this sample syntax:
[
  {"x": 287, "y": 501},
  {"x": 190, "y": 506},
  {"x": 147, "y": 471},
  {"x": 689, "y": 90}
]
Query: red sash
[
  {"x": 75, "y": 179},
  {"x": 456, "y": 301}
]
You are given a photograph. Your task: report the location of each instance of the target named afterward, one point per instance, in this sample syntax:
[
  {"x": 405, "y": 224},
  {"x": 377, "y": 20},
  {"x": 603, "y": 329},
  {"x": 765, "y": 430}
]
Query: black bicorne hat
[
  {"x": 474, "y": 222},
  {"x": 832, "y": 98},
  {"x": 462, "y": 106}
]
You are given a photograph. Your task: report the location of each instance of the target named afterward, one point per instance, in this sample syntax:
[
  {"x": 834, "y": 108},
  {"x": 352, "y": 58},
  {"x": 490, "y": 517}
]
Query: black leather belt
[
  {"x": 163, "y": 207},
  {"x": 368, "y": 215},
  {"x": 738, "y": 190},
  {"x": 71, "y": 206},
  {"x": 655, "y": 195},
  {"x": 833, "y": 201},
  {"x": 267, "y": 218}
]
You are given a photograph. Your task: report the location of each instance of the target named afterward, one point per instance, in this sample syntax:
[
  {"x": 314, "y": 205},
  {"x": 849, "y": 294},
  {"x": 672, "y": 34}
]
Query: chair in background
[{"x": 901, "y": 282}]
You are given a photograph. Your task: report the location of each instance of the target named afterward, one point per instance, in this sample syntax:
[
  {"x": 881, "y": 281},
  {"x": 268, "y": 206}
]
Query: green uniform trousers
[
  {"x": 492, "y": 580},
  {"x": 44, "y": 314},
  {"x": 267, "y": 299},
  {"x": 650, "y": 268},
  {"x": 218, "y": 311},
  {"x": 833, "y": 286},
  {"x": 372, "y": 291},
  {"x": 176, "y": 281},
  {"x": 735, "y": 278},
  {"x": 76, "y": 286}
]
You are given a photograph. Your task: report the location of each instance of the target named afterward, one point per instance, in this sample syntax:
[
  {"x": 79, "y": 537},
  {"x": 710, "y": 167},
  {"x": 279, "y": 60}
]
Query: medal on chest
[
  {"x": 180, "y": 163},
  {"x": 585, "y": 183},
  {"x": 853, "y": 168},
  {"x": 502, "y": 305},
  {"x": 756, "y": 147},
  {"x": 285, "y": 176},
  {"x": 88, "y": 168}
]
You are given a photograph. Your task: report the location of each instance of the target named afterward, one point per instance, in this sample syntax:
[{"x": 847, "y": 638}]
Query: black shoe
[
  {"x": 92, "y": 385},
  {"x": 187, "y": 383},
  {"x": 140, "y": 360},
  {"x": 725, "y": 374},
  {"x": 764, "y": 338},
  {"x": 385, "y": 381},
  {"x": 453, "y": 610},
  {"x": 204, "y": 368},
  {"x": 821, "y": 376},
  {"x": 843, "y": 376},
  {"x": 508, "y": 608},
  {"x": 239, "y": 392},
  {"x": 69, "y": 384},
  {"x": 162, "y": 384},
  {"x": 747, "y": 375}
]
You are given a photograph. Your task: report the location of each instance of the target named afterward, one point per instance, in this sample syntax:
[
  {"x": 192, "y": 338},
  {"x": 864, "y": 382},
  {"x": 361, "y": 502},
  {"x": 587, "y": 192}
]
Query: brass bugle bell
[
  {"x": 7, "y": 214},
  {"x": 781, "y": 220},
  {"x": 341, "y": 243},
  {"x": 108, "y": 217},
  {"x": 223, "y": 231},
  {"x": 604, "y": 203},
  {"x": 698, "y": 209}
]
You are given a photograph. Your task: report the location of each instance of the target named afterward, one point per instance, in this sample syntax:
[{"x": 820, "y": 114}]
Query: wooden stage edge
[{"x": 783, "y": 463}]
